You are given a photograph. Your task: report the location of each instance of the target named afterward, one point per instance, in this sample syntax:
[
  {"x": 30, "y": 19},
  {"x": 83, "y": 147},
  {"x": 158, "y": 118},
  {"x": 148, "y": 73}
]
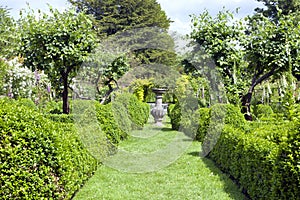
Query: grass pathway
[{"x": 189, "y": 177}]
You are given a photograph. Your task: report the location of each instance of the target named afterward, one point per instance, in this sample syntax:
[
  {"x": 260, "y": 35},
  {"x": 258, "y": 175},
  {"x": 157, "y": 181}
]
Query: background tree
[
  {"x": 269, "y": 50},
  {"x": 272, "y": 49},
  {"x": 8, "y": 34},
  {"x": 219, "y": 39},
  {"x": 57, "y": 44},
  {"x": 272, "y": 8},
  {"x": 113, "y": 16},
  {"x": 116, "y": 16}
]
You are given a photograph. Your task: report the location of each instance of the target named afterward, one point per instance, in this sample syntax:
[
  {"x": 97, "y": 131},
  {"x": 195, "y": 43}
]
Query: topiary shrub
[
  {"x": 108, "y": 124},
  {"x": 174, "y": 112},
  {"x": 221, "y": 114},
  {"x": 121, "y": 116},
  {"x": 265, "y": 167},
  {"x": 204, "y": 120},
  {"x": 39, "y": 158},
  {"x": 138, "y": 111},
  {"x": 248, "y": 159},
  {"x": 28, "y": 103}
]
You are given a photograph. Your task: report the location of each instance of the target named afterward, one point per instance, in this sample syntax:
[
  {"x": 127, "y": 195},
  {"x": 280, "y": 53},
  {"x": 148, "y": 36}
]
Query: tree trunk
[
  {"x": 66, "y": 109},
  {"x": 246, "y": 103}
]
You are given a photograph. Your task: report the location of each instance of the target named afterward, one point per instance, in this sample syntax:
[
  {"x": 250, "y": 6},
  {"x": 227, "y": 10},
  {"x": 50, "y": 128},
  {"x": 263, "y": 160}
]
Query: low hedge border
[
  {"x": 264, "y": 169},
  {"x": 39, "y": 158}
]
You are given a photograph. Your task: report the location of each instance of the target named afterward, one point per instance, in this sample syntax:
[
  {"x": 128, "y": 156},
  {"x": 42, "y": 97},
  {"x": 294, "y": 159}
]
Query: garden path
[{"x": 187, "y": 177}]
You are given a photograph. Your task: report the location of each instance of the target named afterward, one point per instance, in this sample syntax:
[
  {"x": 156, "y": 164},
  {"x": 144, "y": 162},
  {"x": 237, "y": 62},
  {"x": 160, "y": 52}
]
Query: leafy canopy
[
  {"x": 113, "y": 16},
  {"x": 57, "y": 44}
]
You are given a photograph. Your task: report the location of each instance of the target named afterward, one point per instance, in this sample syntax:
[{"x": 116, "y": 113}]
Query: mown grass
[{"x": 189, "y": 177}]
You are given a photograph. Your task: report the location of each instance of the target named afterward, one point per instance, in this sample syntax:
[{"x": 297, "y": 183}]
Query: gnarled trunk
[{"x": 246, "y": 104}]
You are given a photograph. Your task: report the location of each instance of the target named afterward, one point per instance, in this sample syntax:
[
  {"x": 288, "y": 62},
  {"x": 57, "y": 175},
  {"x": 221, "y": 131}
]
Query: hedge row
[
  {"x": 118, "y": 118},
  {"x": 265, "y": 169},
  {"x": 263, "y": 157},
  {"x": 40, "y": 159},
  {"x": 201, "y": 121}
]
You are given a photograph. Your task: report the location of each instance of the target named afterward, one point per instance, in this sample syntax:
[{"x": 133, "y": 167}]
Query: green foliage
[
  {"x": 273, "y": 7},
  {"x": 138, "y": 111},
  {"x": 264, "y": 160},
  {"x": 8, "y": 33},
  {"x": 174, "y": 112},
  {"x": 121, "y": 116},
  {"x": 27, "y": 103},
  {"x": 248, "y": 55},
  {"x": 108, "y": 123},
  {"x": 204, "y": 120},
  {"x": 141, "y": 88},
  {"x": 3, "y": 73},
  {"x": 287, "y": 169},
  {"x": 57, "y": 44},
  {"x": 114, "y": 16},
  {"x": 52, "y": 107},
  {"x": 220, "y": 38},
  {"x": 117, "y": 17},
  {"x": 263, "y": 110},
  {"x": 221, "y": 114},
  {"x": 40, "y": 159}
]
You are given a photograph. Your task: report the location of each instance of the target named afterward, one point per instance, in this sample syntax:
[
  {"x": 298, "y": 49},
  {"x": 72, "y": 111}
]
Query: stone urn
[{"x": 158, "y": 111}]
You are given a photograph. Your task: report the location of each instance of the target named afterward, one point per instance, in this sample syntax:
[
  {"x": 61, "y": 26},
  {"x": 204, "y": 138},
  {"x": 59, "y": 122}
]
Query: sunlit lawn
[{"x": 189, "y": 177}]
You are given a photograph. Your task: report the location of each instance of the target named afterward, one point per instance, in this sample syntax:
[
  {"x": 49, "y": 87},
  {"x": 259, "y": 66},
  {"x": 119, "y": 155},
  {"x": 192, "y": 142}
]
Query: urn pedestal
[{"x": 158, "y": 111}]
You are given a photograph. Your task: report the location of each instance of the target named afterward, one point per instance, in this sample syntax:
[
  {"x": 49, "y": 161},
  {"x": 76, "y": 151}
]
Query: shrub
[
  {"x": 263, "y": 111},
  {"x": 121, "y": 116},
  {"x": 63, "y": 118},
  {"x": 204, "y": 120},
  {"x": 286, "y": 177},
  {"x": 138, "y": 111},
  {"x": 28, "y": 103},
  {"x": 53, "y": 107},
  {"x": 248, "y": 159},
  {"x": 108, "y": 124},
  {"x": 174, "y": 112},
  {"x": 221, "y": 114},
  {"x": 264, "y": 168},
  {"x": 40, "y": 159}
]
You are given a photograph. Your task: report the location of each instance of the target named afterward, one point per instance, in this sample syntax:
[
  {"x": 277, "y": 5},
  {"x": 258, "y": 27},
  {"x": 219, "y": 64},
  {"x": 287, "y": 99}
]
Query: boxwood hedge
[
  {"x": 39, "y": 158},
  {"x": 264, "y": 168}
]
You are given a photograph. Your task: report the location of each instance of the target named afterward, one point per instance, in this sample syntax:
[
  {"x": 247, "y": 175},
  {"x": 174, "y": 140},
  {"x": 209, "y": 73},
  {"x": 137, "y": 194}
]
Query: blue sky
[{"x": 177, "y": 10}]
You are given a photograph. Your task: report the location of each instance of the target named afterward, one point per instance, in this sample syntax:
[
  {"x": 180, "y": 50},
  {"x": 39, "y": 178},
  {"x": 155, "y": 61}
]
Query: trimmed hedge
[
  {"x": 40, "y": 159},
  {"x": 118, "y": 118},
  {"x": 197, "y": 123},
  {"x": 108, "y": 124},
  {"x": 286, "y": 179},
  {"x": 265, "y": 169},
  {"x": 138, "y": 111},
  {"x": 174, "y": 112}
]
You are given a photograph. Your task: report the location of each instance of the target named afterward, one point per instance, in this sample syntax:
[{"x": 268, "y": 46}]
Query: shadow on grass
[{"x": 229, "y": 183}]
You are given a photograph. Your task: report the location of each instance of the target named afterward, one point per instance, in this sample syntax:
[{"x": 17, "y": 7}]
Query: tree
[
  {"x": 7, "y": 33},
  {"x": 273, "y": 6},
  {"x": 57, "y": 44},
  {"x": 219, "y": 39},
  {"x": 113, "y": 16},
  {"x": 269, "y": 49},
  {"x": 272, "y": 49},
  {"x": 280, "y": 8}
]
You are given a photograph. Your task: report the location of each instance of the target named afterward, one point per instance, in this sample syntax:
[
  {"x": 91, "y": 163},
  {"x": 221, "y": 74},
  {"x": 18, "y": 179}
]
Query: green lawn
[{"x": 188, "y": 177}]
